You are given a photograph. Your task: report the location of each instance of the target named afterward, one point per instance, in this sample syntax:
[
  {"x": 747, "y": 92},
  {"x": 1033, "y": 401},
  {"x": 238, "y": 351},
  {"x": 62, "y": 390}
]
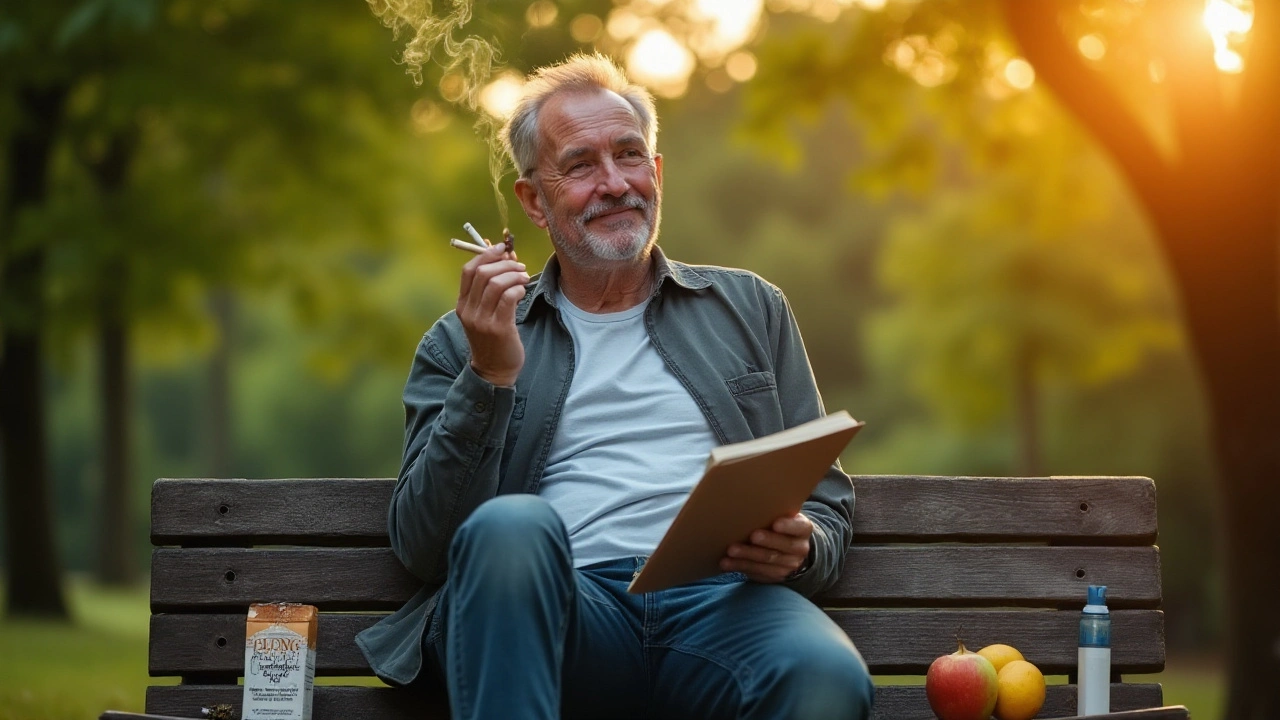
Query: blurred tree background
[{"x": 223, "y": 229}]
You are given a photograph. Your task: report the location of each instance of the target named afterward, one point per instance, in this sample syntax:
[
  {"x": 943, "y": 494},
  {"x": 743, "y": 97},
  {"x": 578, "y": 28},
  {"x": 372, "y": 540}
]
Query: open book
[{"x": 746, "y": 487}]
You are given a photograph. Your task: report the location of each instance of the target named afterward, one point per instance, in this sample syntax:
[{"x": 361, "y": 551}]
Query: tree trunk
[
  {"x": 1231, "y": 302},
  {"x": 116, "y": 564},
  {"x": 220, "y": 450},
  {"x": 115, "y": 521},
  {"x": 33, "y": 581},
  {"x": 33, "y": 570}
]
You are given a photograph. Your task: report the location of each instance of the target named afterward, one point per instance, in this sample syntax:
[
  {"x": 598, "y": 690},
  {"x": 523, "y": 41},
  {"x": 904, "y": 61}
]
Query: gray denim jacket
[{"x": 728, "y": 335}]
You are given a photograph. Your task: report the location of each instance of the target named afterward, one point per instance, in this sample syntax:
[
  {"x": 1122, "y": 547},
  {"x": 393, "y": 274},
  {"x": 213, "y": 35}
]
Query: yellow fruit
[
  {"x": 1000, "y": 655},
  {"x": 1021, "y": 691}
]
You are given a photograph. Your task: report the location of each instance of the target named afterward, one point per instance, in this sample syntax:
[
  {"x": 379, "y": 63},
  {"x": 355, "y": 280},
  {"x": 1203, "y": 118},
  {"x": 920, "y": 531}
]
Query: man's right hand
[{"x": 493, "y": 283}]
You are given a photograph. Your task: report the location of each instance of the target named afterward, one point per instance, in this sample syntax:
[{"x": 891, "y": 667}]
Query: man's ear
[
  {"x": 657, "y": 167},
  {"x": 527, "y": 193}
]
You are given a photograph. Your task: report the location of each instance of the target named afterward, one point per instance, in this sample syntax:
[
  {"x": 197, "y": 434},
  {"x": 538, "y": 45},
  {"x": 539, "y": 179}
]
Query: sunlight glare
[
  {"x": 1228, "y": 60},
  {"x": 660, "y": 62},
  {"x": 1227, "y": 21},
  {"x": 733, "y": 23}
]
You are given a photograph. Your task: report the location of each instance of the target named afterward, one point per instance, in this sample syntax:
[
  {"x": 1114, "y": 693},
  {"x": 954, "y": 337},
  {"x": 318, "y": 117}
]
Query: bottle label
[{"x": 1094, "y": 697}]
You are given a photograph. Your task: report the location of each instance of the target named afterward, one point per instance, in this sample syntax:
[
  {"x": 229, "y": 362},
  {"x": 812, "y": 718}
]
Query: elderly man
[{"x": 554, "y": 426}]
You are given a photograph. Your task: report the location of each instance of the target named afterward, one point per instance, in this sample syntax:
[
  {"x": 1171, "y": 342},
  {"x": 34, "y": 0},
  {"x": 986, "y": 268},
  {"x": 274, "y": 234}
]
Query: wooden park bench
[{"x": 993, "y": 559}]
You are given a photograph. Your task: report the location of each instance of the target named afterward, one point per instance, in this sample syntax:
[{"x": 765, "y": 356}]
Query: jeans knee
[
  {"x": 831, "y": 683},
  {"x": 512, "y": 531}
]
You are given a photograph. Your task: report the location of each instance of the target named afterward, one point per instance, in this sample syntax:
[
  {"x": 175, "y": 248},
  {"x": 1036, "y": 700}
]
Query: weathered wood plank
[
  {"x": 893, "y": 642},
  {"x": 926, "y": 575},
  {"x": 1113, "y": 510},
  {"x": 353, "y": 511},
  {"x": 894, "y": 702},
  {"x": 905, "y": 642},
  {"x": 309, "y": 511},
  {"x": 329, "y": 578},
  {"x": 941, "y": 575}
]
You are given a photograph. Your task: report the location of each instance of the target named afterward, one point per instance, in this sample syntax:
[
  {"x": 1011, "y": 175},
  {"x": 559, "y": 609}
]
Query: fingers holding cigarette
[
  {"x": 492, "y": 285},
  {"x": 481, "y": 245}
]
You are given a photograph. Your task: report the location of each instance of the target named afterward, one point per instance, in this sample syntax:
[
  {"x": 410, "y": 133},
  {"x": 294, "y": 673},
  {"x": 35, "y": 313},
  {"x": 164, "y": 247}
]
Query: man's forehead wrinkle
[{"x": 578, "y": 151}]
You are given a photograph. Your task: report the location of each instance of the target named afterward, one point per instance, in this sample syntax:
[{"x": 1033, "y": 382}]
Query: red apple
[{"x": 962, "y": 686}]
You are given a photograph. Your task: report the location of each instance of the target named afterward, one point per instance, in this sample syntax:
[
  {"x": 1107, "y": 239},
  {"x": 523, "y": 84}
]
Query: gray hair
[{"x": 581, "y": 72}]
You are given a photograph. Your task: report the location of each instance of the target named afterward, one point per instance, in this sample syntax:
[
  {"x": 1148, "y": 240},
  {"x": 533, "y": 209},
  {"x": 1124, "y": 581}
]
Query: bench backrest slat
[
  {"x": 927, "y": 575},
  {"x": 353, "y": 511},
  {"x": 893, "y": 642}
]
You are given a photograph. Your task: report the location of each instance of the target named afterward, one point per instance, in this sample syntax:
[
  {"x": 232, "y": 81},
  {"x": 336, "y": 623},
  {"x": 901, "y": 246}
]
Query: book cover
[{"x": 746, "y": 486}]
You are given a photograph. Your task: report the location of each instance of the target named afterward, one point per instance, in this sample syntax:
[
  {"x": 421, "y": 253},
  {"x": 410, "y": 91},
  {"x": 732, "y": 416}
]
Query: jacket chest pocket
[{"x": 756, "y": 396}]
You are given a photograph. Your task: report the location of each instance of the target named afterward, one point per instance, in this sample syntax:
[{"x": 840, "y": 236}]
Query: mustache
[{"x": 628, "y": 201}]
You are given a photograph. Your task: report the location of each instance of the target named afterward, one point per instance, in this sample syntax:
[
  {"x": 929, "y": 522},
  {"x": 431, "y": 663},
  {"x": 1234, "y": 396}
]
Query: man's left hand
[{"x": 774, "y": 552}]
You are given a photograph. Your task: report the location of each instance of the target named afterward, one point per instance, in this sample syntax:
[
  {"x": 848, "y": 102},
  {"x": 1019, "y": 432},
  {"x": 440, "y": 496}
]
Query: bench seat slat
[
  {"x": 893, "y": 702},
  {"x": 353, "y": 511},
  {"x": 893, "y": 642},
  {"x": 207, "y": 579}
]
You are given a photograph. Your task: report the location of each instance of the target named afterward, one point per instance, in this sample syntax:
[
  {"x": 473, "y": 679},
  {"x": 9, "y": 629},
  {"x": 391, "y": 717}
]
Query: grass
[{"x": 50, "y": 671}]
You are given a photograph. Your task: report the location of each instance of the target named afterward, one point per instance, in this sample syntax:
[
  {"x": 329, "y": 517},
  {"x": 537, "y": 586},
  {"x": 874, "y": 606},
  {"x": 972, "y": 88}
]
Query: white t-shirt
[{"x": 631, "y": 441}]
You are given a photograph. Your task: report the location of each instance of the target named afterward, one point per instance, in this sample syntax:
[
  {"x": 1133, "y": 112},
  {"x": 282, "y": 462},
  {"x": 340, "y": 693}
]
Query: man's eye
[{"x": 579, "y": 169}]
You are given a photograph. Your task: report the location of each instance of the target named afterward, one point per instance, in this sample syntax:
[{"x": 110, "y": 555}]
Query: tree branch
[{"x": 1084, "y": 92}]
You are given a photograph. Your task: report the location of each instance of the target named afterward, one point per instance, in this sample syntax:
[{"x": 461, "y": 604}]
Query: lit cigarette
[
  {"x": 475, "y": 235},
  {"x": 464, "y": 245}
]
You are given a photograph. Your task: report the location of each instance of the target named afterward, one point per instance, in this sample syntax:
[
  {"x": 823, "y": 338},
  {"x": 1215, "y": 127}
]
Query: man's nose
[{"x": 612, "y": 181}]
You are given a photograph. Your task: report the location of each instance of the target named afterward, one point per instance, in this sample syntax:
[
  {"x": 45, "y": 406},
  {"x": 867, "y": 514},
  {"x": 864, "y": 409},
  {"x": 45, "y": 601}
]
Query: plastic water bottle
[{"x": 1093, "y": 657}]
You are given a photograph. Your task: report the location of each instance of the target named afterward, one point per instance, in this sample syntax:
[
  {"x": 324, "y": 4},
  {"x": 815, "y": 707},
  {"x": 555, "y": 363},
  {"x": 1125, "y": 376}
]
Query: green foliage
[{"x": 1020, "y": 246}]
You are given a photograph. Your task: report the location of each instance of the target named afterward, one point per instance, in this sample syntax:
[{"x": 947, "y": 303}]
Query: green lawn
[{"x": 58, "y": 672}]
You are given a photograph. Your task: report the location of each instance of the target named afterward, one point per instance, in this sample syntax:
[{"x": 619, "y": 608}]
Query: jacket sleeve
[
  {"x": 830, "y": 507},
  {"x": 455, "y": 426}
]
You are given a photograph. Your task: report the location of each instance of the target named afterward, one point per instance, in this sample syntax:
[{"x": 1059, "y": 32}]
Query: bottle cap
[{"x": 1097, "y": 599}]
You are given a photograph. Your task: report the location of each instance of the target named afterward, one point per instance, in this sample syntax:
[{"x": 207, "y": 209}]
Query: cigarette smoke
[{"x": 471, "y": 60}]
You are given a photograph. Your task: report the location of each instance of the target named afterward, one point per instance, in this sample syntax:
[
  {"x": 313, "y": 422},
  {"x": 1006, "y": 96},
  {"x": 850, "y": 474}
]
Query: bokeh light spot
[
  {"x": 429, "y": 117},
  {"x": 541, "y": 14},
  {"x": 499, "y": 97},
  {"x": 741, "y": 66},
  {"x": 660, "y": 62},
  {"x": 586, "y": 28},
  {"x": 1019, "y": 73},
  {"x": 624, "y": 24},
  {"x": 1092, "y": 47}
]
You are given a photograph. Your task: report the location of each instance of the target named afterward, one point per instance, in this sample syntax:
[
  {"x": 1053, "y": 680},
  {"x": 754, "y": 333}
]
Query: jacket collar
[{"x": 545, "y": 283}]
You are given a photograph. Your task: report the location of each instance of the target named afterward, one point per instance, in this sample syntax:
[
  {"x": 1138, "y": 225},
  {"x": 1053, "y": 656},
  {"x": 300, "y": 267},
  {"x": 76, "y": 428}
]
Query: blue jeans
[{"x": 518, "y": 632}]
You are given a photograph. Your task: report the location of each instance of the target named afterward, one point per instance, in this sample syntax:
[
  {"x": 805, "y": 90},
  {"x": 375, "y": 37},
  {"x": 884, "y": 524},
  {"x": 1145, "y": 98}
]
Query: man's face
[{"x": 596, "y": 187}]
